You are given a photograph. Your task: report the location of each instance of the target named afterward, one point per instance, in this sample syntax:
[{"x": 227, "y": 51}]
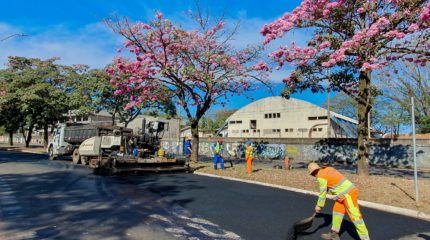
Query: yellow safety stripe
[
  {"x": 353, "y": 210},
  {"x": 323, "y": 192},
  {"x": 338, "y": 214},
  {"x": 343, "y": 189},
  {"x": 340, "y": 183}
]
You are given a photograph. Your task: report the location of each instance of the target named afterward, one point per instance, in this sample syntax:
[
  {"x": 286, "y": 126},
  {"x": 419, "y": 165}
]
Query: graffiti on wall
[
  {"x": 333, "y": 151},
  {"x": 236, "y": 149}
]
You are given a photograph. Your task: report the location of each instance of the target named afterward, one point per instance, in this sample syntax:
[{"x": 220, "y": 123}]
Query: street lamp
[{"x": 14, "y": 35}]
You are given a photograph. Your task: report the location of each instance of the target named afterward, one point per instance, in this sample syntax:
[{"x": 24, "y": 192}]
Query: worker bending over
[{"x": 346, "y": 196}]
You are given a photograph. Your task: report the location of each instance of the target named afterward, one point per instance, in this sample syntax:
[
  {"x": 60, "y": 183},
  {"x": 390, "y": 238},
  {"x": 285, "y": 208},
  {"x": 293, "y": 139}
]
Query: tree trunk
[
  {"x": 11, "y": 138},
  {"x": 29, "y": 135},
  {"x": 362, "y": 130},
  {"x": 195, "y": 142},
  {"x": 45, "y": 136}
]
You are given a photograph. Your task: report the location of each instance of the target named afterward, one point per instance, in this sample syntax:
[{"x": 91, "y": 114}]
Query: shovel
[{"x": 300, "y": 226}]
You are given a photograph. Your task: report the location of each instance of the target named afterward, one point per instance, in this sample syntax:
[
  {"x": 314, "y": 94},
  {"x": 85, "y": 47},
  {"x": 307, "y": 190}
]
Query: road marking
[{"x": 182, "y": 224}]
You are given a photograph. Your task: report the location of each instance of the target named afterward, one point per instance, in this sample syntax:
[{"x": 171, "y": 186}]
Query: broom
[{"x": 300, "y": 226}]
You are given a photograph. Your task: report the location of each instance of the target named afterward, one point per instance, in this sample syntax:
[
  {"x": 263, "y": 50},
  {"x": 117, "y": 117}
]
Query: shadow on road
[
  {"x": 347, "y": 226},
  {"x": 61, "y": 204}
]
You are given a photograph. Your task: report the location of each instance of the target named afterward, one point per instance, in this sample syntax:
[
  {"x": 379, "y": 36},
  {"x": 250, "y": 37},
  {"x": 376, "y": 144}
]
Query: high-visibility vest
[
  {"x": 218, "y": 148},
  {"x": 249, "y": 152},
  {"x": 329, "y": 179}
]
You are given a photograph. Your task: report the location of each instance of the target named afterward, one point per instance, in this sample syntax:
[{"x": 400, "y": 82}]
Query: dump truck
[
  {"x": 68, "y": 137},
  {"x": 120, "y": 150}
]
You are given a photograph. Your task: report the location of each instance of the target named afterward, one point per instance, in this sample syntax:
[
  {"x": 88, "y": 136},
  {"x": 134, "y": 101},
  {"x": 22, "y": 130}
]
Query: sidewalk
[{"x": 21, "y": 148}]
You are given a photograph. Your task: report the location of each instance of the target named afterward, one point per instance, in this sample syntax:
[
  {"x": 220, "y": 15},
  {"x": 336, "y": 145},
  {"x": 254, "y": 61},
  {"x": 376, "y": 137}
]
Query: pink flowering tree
[
  {"x": 350, "y": 40},
  {"x": 197, "y": 68}
]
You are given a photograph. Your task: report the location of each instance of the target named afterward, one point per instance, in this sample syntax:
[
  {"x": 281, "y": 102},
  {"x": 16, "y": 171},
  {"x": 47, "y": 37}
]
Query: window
[
  {"x": 266, "y": 115},
  {"x": 240, "y": 121},
  {"x": 319, "y": 129},
  {"x": 255, "y": 130},
  {"x": 270, "y": 115},
  {"x": 243, "y": 130},
  {"x": 314, "y": 129},
  {"x": 253, "y": 124},
  {"x": 232, "y": 122},
  {"x": 286, "y": 129},
  {"x": 291, "y": 130},
  {"x": 278, "y": 115},
  {"x": 302, "y": 129},
  {"x": 258, "y": 130},
  {"x": 322, "y": 117},
  {"x": 276, "y": 130},
  {"x": 312, "y": 118}
]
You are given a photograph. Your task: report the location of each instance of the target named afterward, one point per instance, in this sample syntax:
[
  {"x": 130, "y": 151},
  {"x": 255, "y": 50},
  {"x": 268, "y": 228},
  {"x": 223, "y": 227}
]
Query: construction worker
[
  {"x": 346, "y": 195},
  {"x": 217, "y": 150},
  {"x": 249, "y": 157},
  {"x": 188, "y": 147}
]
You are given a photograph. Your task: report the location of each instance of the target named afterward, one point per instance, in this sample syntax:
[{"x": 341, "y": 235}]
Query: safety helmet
[{"x": 313, "y": 167}]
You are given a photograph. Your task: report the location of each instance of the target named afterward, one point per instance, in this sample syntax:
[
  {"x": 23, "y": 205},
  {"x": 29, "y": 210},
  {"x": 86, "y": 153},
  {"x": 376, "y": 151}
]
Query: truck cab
[{"x": 58, "y": 146}]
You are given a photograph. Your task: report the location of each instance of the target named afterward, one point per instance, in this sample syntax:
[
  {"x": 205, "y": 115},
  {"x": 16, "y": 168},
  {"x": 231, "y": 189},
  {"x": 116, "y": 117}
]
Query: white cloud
[{"x": 94, "y": 44}]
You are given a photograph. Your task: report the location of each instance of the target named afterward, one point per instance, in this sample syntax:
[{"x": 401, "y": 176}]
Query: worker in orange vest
[
  {"x": 249, "y": 157},
  {"x": 346, "y": 196}
]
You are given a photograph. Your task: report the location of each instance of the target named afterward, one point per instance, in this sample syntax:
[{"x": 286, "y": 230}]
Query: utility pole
[
  {"x": 328, "y": 106},
  {"x": 179, "y": 130},
  {"x": 417, "y": 195}
]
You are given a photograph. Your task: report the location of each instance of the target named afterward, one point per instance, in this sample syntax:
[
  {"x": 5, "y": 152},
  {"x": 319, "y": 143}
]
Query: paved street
[{"x": 41, "y": 199}]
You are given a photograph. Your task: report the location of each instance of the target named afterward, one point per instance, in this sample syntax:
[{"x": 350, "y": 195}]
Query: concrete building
[{"x": 277, "y": 117}]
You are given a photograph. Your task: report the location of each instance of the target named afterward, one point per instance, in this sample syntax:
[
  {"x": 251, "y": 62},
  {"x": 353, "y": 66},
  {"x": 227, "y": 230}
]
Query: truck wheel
[
  {"x": 51, "y": 155},
  {"x": 76, "y": 158}
]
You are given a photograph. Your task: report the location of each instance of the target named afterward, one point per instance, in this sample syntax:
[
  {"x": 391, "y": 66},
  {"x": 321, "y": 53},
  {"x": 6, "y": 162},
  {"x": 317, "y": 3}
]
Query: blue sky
[{"x": 73, "y": 30}]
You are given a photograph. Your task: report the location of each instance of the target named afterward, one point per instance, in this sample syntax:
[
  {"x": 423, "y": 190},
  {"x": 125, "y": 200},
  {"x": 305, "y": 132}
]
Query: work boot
[{"x": 330, "y": 236}]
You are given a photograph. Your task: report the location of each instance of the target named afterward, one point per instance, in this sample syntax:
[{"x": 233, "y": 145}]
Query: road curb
[
  {"x": 377, "y": 206},
  {"x": 24, "y": 151}
]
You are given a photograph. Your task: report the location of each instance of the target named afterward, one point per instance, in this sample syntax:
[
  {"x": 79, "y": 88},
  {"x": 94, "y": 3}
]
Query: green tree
[
  {"x": 38, "y": 90},
  {"x": 104, "y": 97}
]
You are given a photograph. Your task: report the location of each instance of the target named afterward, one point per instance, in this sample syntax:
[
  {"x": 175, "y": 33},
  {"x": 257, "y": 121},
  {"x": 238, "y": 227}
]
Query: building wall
[
  {"x": 382, "y": 152},
  {"x": 276, "y": 117}
]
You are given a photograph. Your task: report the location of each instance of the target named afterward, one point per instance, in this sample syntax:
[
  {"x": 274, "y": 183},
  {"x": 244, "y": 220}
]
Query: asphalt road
[{"x": 41, "y": 199}]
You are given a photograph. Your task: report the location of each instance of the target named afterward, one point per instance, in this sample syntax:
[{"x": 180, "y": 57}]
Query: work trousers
[
  {"x": 348, "y": 203},
  {"x": 218, "y": 159},
  {"x": 249, "y": 161}
]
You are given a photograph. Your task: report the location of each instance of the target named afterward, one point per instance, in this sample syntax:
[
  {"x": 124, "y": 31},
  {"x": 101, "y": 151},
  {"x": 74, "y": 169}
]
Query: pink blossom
[
  {"x": 413, "y": 27},
  {"x": 261, "y": 66},
  {"x": 325, "y": 44},
  {"x": 159, "y": 15}
]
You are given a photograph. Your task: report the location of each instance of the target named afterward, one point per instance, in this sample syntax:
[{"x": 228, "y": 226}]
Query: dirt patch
[{"x": 394, "y": 191}]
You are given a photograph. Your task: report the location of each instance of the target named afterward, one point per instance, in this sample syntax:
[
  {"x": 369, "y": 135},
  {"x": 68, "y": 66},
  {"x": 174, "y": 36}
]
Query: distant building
[
  {"x": 74, "y": 116},
  {"x": 186, "y": 131},
  {"x": 277, "y": 117}
]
